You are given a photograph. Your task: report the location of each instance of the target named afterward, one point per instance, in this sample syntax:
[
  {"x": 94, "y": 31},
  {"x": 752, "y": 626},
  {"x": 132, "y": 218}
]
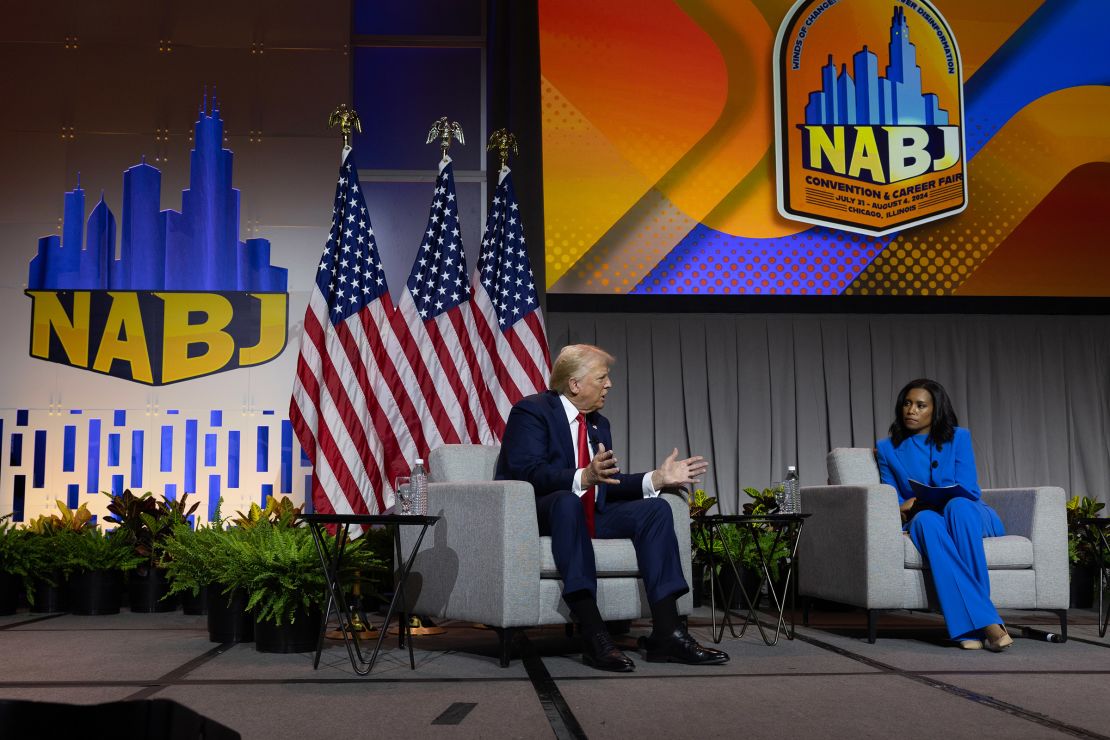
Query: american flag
[
  {"x": 379, "y": 386},
  {"x": 504, "y": 308},
  {"x": 434, "y": 308},
  {"x": 350, "y": 410}
]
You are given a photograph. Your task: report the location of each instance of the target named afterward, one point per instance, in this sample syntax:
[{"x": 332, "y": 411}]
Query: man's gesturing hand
[
  {"x": 675, "y": 472},
  {"x": 602, "y": 469}
]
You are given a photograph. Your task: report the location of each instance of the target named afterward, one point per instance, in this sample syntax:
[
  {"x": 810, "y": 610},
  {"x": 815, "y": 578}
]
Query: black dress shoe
[
  {"x": 602, "y": 654},
  {"x": 679, "y": 647}
]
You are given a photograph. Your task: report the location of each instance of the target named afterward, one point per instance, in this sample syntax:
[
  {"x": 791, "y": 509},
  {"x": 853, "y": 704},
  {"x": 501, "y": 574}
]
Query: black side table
[
  {"x": 1100, "y": 525},
  {"x": 332, "y": 563},
  {"x": 787, "y": 529}
]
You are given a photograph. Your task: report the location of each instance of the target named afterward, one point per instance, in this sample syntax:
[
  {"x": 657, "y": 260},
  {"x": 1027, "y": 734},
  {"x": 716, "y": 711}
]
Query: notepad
[{"x": 935, "y": 497}]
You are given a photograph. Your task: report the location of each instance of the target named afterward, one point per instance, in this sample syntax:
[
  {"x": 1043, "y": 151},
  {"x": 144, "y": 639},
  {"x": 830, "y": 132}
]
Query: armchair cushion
[
  {"x": 1012, "y": 552},
  {"x": 611, "y": 557}
]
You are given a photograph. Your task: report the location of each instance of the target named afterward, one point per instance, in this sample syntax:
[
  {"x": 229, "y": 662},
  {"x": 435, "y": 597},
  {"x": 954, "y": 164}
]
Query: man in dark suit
[{"x": 560, "y": 443}]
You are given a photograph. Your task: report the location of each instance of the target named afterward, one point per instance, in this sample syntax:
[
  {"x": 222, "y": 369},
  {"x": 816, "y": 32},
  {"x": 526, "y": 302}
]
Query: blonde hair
[{"x": 573, "y": 362}]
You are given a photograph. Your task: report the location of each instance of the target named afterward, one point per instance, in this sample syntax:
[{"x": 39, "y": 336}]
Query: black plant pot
[
  {"x": 1082, "y": 586},
  {"x": 726, "y": 583},
  {"x": 697, "y": 590},
  {"x": 228, "y": 619},
  {"x": 298, "y": 636},
  {"x": 49, "y": 599},
  {"x": 9, "y": 592},
  {"x": 94, "y": 592},
  {"x": 147, "y": 589},
  {"x": 194, "y": 604}
]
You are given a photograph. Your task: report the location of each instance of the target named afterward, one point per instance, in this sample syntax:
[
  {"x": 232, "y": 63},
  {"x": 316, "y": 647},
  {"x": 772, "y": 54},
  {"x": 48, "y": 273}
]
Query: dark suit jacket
[{"x": 537, "y": 448}]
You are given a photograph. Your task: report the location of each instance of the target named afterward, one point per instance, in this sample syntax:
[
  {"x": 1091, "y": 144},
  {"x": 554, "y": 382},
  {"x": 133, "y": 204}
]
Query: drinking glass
[
  {"x": 779, "y": 490},
  {"x": 402, "y": 489}
]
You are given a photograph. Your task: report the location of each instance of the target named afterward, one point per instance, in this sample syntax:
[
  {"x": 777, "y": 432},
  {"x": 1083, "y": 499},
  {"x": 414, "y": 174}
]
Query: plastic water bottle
[
  {"x": 791, "y": 497},
  {"x": 419, "y": 488}
]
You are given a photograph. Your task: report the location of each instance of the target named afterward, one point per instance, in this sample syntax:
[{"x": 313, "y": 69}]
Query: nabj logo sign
[
  {"x": 869, "y": 115},
  {"x": 184, "y": 297}
]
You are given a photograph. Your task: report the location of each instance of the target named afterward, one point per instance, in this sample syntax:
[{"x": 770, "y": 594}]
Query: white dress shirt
[{"x": 572, "y": 418}]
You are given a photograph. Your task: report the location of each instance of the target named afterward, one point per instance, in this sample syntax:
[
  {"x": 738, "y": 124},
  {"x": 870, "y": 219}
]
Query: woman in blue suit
[{"x": 927, "y": 445}]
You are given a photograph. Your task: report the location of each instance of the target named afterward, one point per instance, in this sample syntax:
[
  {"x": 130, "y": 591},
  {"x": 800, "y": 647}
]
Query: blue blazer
[
  {"x": 537, "y": 448},
  {"x": 917, "y": 459}
]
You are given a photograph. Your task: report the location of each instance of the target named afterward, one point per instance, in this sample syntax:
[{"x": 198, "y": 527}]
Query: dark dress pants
[{"x": 646, "y": 521}]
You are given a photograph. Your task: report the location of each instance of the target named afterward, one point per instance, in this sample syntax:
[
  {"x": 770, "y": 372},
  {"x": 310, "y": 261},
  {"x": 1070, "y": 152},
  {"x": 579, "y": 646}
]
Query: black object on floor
[{"x": 153, "y": 719}]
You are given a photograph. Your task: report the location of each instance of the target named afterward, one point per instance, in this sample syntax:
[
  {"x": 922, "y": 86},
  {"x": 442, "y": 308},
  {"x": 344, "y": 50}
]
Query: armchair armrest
[
  {"x": 481, "y": 561},
  {"x": 680, "y": 512},
  {"x": 1039, "y": 513},
  {"x": 851, "y": 549}
]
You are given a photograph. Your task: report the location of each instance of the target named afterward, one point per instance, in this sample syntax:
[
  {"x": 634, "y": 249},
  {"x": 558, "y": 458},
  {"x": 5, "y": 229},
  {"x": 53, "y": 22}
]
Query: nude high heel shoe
[{"x": 996, "y": 638}]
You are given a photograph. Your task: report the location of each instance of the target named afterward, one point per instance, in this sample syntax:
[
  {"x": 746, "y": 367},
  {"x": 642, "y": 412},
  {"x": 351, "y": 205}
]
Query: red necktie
[{"x": 584, "y": 461}]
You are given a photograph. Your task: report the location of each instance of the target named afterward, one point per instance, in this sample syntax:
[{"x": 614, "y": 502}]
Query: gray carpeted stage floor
[{"x": 829, "y": 682}]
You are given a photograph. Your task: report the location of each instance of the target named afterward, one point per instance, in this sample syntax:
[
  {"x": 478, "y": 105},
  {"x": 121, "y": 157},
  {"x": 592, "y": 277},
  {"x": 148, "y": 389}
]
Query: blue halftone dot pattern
[
  {"x": 216, "y": 419},
  {"x": 119, "y": 418},
  {"x": 190, "y": 456},
  {"x": 40, "y": 459},
  {"x": 113, "y": 450},
  {"x": 92, "y": 477},
  {"x": 286, "y": 457},
  {"x": 263, "y": 457},
  {"x": 233, "y": 460},
  {"x": 137, "y": 444},
  {"x": 69, "y": 448},
  {"x": 818, "y": 261}
]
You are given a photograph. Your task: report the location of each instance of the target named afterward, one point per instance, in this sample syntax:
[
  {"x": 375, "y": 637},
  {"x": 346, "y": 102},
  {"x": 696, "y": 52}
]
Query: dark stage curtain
[{"x": 756, "y": 393}]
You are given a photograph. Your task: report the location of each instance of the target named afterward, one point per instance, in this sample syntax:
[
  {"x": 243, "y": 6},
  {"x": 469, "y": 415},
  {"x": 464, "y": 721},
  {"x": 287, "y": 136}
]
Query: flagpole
[{"x": 346, "y": 119}]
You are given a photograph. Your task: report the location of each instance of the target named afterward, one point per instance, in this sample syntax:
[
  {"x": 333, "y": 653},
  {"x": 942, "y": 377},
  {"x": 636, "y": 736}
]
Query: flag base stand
[
  {"x": 356, "y": 625},
  {"x": 420, "y": 626}
]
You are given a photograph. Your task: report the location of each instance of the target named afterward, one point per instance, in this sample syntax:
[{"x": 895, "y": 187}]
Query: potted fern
[
  {"x": 49, "y": 588},
  {"x": 1083, "y": 551},
  {"x": 19, "y": 561},
  {"x": 196, "y": 560},
  {"x": 274, "y": 561},
  {"x": 95, "y": 563}
]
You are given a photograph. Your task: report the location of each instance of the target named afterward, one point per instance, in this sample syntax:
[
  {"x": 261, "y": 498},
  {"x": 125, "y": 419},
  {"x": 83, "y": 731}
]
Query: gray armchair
[
  {"x": 485, "y": 561},
  {"x": 853, "y": 551}
]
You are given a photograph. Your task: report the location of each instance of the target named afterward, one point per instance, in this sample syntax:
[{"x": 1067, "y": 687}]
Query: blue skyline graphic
[
  {"x": 867, "y": 98},
  {"x": 195, "y": 249}
]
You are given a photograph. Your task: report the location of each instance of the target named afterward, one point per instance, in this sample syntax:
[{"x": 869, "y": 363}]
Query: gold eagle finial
[
  {"x": 503, "y": 141},
  {"x": 443, "y": 130},
  {"x": 346, "y": 119}
]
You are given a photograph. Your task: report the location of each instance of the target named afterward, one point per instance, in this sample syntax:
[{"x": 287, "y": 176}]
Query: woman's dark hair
[{"x": 944, "y": 423}]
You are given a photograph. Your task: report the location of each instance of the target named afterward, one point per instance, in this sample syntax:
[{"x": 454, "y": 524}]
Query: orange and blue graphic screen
[{"x": 659, "y": 156}]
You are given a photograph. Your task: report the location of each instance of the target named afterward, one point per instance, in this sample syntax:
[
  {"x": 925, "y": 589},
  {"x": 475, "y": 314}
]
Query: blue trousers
[
  {"x": 952, "y": 545},
  {"x": 647, "y": 522}
]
